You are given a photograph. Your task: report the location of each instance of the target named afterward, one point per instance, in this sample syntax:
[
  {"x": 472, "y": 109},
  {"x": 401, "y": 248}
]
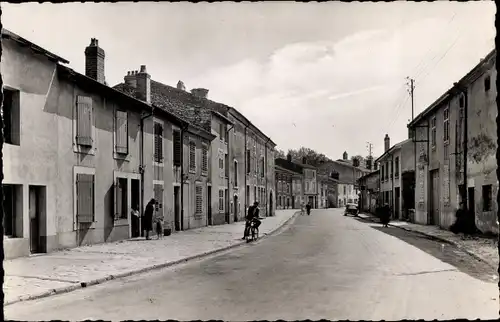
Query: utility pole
[
  {"x": 369, "y": 145},
  {"x": 411, "y": 90}
]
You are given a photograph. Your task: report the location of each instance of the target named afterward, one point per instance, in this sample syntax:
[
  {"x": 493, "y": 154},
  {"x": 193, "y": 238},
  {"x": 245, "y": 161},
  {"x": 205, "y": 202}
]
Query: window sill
[
  {"x": 12, "y": 237},
  {"x": 192, "y": 171},
  {"x": 78, "y": 226},
  {"x": 158, "y": 164},
  {"x": 204, "y": 173},
  {"x": 121, "y": 222},
  {"x": 121, "y": 156},
  {"x": 84, "y": 149},
  {"x": 12, "y": 144}
]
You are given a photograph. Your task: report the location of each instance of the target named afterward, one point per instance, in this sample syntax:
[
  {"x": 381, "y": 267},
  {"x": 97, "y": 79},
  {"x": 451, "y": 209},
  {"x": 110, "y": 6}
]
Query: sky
[{"x": 329, "y": 76}]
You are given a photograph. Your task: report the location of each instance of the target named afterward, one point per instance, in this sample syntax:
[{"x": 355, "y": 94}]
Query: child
[{"x": 159, "y": 229}]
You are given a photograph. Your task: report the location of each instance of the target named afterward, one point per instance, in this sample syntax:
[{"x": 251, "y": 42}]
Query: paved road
[{"x": 325, "y": 266}]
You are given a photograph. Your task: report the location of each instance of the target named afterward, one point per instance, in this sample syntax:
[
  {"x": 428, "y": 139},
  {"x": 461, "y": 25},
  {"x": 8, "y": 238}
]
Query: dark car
[{"x": 351, "y": 209}]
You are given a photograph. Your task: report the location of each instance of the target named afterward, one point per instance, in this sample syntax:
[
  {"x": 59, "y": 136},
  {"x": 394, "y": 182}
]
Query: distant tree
[
  {"x": 279, "y": 154},
  {"x": 357, "y": 160},
  {"x": 313, "y": 158}
]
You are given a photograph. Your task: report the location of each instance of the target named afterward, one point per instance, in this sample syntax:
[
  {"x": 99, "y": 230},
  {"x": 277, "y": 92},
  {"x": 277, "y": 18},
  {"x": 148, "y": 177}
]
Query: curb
[
  {"x": 80, "y": 285},
  {"x": 440, "y": 239}
]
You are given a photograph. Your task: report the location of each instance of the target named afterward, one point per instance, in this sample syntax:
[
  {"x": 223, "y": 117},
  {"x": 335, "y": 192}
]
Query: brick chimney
[
  {"x": 345, "y": 155},
  {"x": 200, "y": 92},
  {"x": 289, "y": 157},
  {"x": 181, "y": 86},
  {"x": 130, "y": 78},
  {"x": 94, "y": 61},
  {"x": 143, "y": 88},
  {"x": 387, "y": 143}
]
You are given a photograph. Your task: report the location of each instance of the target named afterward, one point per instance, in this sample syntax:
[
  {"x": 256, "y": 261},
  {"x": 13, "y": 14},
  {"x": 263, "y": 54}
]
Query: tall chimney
[
  {"x": 345, "y": 156},
  {"x": 304, "y": 160},
  {"x": 387, "y": 143},
  {"x": 94, "y": 61},
  {"x": 200, "y": 92},
  {"x": 289, "y": 157},
  {"x": 143, "y": 89},
  {"x": 181, "y": 86},
  {"x": 130, "y": 79}
]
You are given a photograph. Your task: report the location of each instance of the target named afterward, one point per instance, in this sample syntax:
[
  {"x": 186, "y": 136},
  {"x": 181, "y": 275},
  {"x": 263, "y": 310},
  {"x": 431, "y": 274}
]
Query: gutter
[{"x": 142, "y": 166}]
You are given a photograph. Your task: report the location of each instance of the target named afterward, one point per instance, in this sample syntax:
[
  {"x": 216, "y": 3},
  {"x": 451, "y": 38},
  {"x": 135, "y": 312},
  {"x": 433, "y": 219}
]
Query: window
[
  {"x": 121, "y": 205},
  {"x": 248, "y": 193},
  {"x": 235, "y": 173},
  {"x": 487, "y": 196},
  {"x": 279, "y": 201},
  {"x": 255, "y": 193},
  {"x": 248, "y": 161},
  {"x": 221, "y": 163},
  {"x": 396, "y": 174},
  {"x": 121, "y": 132},
  {"x": 11, "y": 117},
  {"x": 226, "y": 157},
  {"x": 192, "y": 156},
  {"x": 199, "y": 199},
  {"x": 345, "y": 190},
  {"x": 487, "y": 83},
  {"x": 392, "y": 169},
  {"x": 446, "y": 124},
  {"x": 158, "y": 141},
  {"x": 257, "y": 196},
  {"x": 177, "y": 147},
  {"x": 221, "y": 200},
  {"x": 461, "y": 101},
  {"x": 262, "y": 167},
  {"x": 85, "y": 198},
  {"x": 382, "y": 170},
  {"x": 204, "y": 158},
  {"x": 307, "y": 185},
  {"x": 222, "y": 131},
  {"x": 84, "y": 121},
  {"x": 13, "y": 214},
  {"x": 433, "y": 131}
]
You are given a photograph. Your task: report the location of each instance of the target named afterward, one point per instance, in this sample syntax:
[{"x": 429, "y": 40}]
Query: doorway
[
  {"x": 471, "y": 204},
  {"x": 271, "y": 203},
  {"x": 209, "y": 205},
  {"x": 397, "y": 203},
  {"x": 37, "y": 215},
  {"x": 135, "y": 199},
  {"x": 434, "y": 200},
  {"x": 177, "y": 209},
  {"x": 235, "y": 203}
]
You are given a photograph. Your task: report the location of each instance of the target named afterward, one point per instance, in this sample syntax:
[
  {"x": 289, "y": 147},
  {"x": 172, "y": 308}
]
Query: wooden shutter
[
  {"x": 177, "y": 148},
  {"x": 84, "y": 121},
  {"x": 158, "y": 152},
  {"x": 226, "y": 165},
  {"x": 85, "y": 198},
  {"x": 121, "y": 132},
  {"x": 204, "y": 158},
  {"x": 248, "y": 159},
  {"x": 199, "y": 199},
  {"x": 235, "y": 174},
  {"x": 192, "y": 156}
]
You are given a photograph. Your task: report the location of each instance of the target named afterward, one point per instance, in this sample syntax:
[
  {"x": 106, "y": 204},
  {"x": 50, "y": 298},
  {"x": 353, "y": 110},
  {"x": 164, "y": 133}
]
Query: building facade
[
  {"x": 397, "y": 163},
  {"x": 284, "y": 188},
  {"x": 61, "y": 190},
  {"x": 369, "y": 191},
  {"x": 465, "y": 118}
]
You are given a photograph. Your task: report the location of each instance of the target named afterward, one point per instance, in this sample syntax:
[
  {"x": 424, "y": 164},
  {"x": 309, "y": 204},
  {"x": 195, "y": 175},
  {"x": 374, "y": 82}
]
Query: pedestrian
[
  {"x": 385, "y": 215},
  {"x": 135, "y": 220},
  {"x": 308, "y": 208},
  {"x": 147, "y": 219},
  {"x": 459, "y": 225}
]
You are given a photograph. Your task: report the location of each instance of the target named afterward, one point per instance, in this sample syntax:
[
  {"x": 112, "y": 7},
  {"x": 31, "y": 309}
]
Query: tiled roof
[{"x": 181, "y": 103}]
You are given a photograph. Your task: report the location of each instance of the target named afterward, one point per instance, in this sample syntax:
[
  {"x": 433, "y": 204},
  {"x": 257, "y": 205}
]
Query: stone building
[
  {"x": 464, "y": 117},
  {"x": 397, "y": 163},
  {"x": 79, "y": 154},
  {"x": 284, "y": 187},
  {"x": 369, "y": 185}
]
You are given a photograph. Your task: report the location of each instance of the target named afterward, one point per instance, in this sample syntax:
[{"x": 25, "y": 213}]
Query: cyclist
[{"x": 253, "y": 215}]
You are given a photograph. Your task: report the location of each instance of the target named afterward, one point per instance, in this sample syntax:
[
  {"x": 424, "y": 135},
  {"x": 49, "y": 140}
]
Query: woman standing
[{"x": 147, "y": 219}]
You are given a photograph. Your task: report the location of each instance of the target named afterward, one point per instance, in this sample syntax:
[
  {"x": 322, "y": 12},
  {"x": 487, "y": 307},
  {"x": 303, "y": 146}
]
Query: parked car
[{"x": 351, "y": 209}]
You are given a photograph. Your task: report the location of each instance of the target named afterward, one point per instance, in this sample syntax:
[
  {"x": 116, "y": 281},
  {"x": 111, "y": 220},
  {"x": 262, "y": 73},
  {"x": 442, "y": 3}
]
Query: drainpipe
[
  {"x": 228, "y": 176},
  {"x": 246, "y": 170},
  {"x": 183, "y": 129},
  {"x": 142, "y": 166},
  {"x": 265, "y": 174}
]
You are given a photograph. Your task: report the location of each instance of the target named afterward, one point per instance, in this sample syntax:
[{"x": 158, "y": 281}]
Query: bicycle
[{"x": 253, "y": 234}]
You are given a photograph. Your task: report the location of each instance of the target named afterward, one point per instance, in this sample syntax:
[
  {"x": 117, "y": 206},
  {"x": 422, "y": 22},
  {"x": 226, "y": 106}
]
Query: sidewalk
[
  {"x": 58, "y": 272},
  {"x": 484, "y": 249}
]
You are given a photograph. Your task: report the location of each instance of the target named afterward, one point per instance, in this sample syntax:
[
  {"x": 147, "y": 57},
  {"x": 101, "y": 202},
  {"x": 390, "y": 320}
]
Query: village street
[{"x": 322, "y": 266}]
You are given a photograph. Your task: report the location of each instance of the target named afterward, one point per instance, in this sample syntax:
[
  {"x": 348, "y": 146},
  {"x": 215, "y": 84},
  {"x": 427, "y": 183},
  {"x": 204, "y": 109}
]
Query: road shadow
[{"x": 445, "y": 252}]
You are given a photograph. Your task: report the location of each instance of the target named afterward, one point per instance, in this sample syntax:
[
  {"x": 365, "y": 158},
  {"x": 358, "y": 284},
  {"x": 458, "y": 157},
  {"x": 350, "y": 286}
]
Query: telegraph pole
[{"x": 411, "y": 90}]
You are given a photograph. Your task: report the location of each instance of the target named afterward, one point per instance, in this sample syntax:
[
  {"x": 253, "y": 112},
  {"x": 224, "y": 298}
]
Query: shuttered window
[
  {"x": 204, "y": 158},
  {"x": 199, "y": 199},
  {"x": 248, "y": 161},
  {"x": 221, "y": 200},
  {"x": 84, "y": 121},
  {"x": 177, "y": 146},
  {"x": 121, "y": 132},
  {"x": 226, "y": 162},
  {"x": 158, "y": 138},
  {"x": 262, "y": 167},
  {"x": 235, "y": 173},
  {"x": 85, "y": 198},
  {"x": 192, "y": 156}
]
